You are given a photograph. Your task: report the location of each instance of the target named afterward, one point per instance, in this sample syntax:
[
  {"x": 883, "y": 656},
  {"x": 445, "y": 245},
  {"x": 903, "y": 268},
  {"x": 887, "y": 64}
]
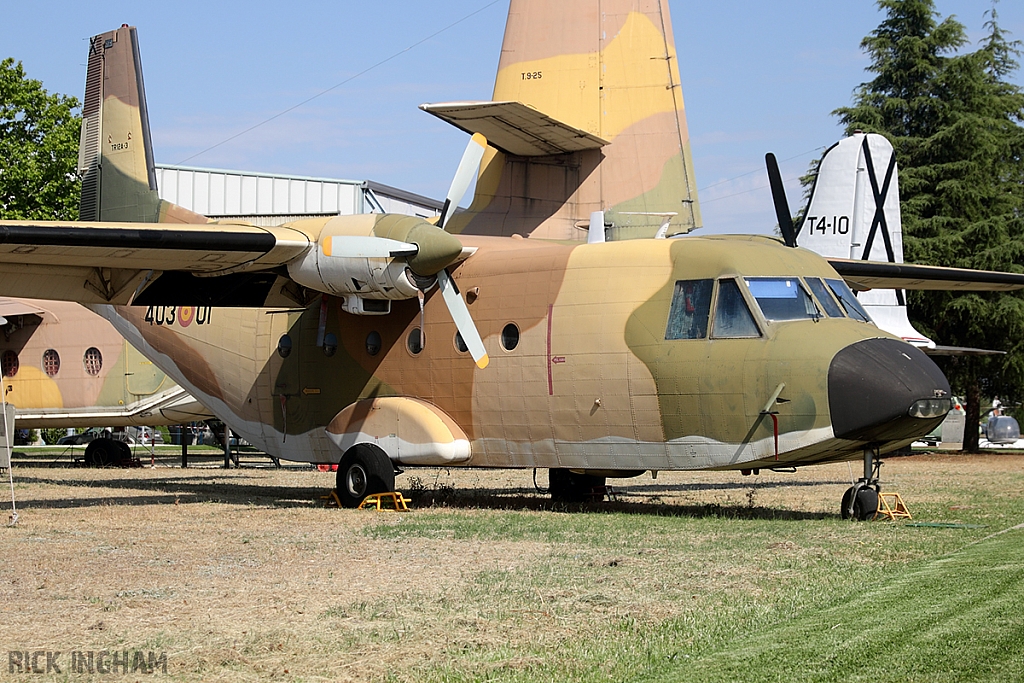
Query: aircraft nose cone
[{"x": 885, "y": 390}]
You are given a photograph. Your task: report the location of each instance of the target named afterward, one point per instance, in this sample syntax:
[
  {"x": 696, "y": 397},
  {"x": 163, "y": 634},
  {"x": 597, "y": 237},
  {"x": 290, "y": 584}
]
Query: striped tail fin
[
  {"x": 854, "y": 213},
  {"x": 115, "y": 155}
]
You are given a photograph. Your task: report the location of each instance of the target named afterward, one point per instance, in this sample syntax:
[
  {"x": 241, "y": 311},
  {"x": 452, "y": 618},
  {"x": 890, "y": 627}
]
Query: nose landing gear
[{"x": 860, "y": 501}]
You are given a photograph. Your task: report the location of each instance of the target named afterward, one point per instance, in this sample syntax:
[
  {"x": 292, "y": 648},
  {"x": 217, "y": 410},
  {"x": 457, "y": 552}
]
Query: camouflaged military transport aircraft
[
  {"x": 64, "y": 366},
  {"x": 495, "y": 337}
]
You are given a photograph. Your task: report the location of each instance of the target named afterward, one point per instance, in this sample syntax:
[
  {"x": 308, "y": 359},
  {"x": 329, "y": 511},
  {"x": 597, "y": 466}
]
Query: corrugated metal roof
[{"x": 222, "y": 193}]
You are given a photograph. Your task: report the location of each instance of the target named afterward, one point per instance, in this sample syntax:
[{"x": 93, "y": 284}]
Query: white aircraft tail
[{"x": 854, "y": 213}]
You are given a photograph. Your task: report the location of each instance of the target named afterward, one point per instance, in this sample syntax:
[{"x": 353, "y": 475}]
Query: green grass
[
  {"x": 957, "y": 618},
  {"x": 757, "y": 599}
]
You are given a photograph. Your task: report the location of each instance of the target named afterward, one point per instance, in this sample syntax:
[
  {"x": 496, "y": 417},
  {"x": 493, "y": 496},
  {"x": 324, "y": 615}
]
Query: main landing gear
[
  {"x": 567, "y": 486},
  {"x": 861, "y": 500},
  {"x": 365, "y": 469}
]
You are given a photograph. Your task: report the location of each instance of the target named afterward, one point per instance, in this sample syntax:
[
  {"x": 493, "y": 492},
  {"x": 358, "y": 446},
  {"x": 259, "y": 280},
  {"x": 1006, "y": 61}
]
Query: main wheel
[
  {"x": 846, "y": 509},
  {"x": 567, "y": 486},
  {"x": 124, "y": 454},
  {"x": 364, "y": 470},
  {"x": 101, "y": 453},
  {"x": 866, "y": 504}
]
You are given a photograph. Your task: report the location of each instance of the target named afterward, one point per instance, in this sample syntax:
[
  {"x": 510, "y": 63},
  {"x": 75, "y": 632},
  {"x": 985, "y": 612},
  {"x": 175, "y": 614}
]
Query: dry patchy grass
[{"x": 243, "y": 575}]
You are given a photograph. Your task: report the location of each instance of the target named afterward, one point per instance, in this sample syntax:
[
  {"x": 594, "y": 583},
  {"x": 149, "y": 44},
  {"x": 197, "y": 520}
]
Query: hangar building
[{"x": 272, "y": 199}]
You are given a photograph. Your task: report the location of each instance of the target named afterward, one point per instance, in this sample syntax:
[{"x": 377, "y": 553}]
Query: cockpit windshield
[
  {"x": 782, "y": 298},
  {"x": 848, "y": 300}
]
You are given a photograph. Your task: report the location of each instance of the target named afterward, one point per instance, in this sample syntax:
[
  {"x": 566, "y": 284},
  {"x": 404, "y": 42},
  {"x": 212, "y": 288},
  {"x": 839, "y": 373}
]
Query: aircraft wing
[
  {"x": 865, "y": 275},
  {"x": 110, "y": 263}
]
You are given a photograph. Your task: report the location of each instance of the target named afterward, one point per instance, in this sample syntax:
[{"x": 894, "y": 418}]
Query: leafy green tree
[
  {"x": 38, "y": 149},
  {"x": 955, "y": 123}
]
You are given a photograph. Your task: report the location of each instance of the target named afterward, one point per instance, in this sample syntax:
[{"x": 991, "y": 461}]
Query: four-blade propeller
[{"x": 428, "y": 251}]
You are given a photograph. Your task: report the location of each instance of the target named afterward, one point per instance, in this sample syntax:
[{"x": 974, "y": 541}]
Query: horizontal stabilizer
[
  {"x": 515, "y": 128},
  {"x": 865, "y": 275}
]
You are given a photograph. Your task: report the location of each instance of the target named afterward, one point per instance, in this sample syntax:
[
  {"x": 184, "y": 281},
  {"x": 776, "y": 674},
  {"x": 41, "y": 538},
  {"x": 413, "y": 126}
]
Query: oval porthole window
[
  {"x": 373, "y": 343},
  {"x": 9, "y": 362},
  {"x": 510, "y": 337},
  {"x": 51, "y": 362},
  {"x": 415, "y": 341},
  {"x": 330, "y": 344},
  {"x": 93, "y": 361},
  {"x": 460, "y": 344},
  {"x": 284, "y": 346}
]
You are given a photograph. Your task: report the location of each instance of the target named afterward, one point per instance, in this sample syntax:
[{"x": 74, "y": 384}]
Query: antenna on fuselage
[{"x": 779, "y": 196}]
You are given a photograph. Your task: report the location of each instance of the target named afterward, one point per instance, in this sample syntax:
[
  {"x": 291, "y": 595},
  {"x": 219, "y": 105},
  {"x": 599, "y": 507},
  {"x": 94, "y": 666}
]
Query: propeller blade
[
  {"x": 463, "y": 320},
  {"x": 463, "y": 176},
  {"x": 781, "y": 205},
  {"x": 354, "y": 246}
]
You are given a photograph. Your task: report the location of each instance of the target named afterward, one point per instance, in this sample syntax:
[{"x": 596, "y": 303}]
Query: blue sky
[{"x": 757, "y": 77}]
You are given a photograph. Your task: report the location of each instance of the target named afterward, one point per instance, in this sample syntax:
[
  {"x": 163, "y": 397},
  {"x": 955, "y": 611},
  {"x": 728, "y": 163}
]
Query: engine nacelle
[
  {"x": 384, "y": 257},
  {"x": 368, "y": 278}
]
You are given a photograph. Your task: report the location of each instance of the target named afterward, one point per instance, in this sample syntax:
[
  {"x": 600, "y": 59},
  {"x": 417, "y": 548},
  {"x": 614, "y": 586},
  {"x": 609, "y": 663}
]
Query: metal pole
[
  {"x": 227, "y": 447},
  {"x": 184, "y": 448}
]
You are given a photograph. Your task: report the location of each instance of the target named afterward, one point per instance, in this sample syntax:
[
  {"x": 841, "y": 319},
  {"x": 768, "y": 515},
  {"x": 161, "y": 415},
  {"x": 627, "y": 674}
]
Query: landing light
[{"x": 929, "y": 407}]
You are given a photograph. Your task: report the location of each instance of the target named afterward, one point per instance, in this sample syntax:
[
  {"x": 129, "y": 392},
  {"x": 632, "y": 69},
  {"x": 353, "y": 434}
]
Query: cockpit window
[
  {"x": 832, "y": 309},
  {"x": 848, "y": 300},
  {"x": 782, "y": 298},
  {"x": 691, "y": 305},
  {"x": 732, "y": 316}
]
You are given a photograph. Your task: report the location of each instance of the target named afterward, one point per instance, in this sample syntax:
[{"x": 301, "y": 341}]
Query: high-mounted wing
[
  {"x": 865, "y": 275},
  {"x": 112, "y": 263}
]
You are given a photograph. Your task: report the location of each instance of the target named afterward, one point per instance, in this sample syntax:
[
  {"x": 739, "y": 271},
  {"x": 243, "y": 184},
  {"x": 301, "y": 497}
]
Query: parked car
[
  {"x": 82, "y": 437},
  {"x": 128, "y": 435},
  {"x": 144, "y": 435}
]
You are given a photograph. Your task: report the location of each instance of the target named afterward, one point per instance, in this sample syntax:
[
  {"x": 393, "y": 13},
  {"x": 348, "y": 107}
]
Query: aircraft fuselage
[{"x": 621, "y": 356}]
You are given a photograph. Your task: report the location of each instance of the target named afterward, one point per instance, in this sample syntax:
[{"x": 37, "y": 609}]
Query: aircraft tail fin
[
  {"x": 115, "y": 155},
  {"x": 587, "y": 116},
  {"x": 854, "y": 213}
]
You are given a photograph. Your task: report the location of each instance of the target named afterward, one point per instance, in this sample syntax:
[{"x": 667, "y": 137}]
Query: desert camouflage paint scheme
[
  {"x": 115, "y": 129},
  {"x": 592, "y": 382},
  {"x": 66, "y": 367},
  {"x": 309, "y": 339},
  {"x": 607, "y": 69}
]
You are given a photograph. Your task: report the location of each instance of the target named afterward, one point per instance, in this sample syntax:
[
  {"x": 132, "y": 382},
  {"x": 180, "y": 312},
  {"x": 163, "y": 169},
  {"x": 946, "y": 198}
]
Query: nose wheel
[{"x": 860, "y": 501}]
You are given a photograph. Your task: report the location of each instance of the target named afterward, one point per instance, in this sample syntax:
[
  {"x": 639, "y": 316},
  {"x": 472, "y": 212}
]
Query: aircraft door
[{"x": 296, "y": 376}]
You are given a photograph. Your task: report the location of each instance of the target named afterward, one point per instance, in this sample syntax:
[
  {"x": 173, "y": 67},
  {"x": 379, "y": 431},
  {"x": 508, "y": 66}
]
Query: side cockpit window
[
  {"x": 832, "y": 309},
  {"x": 782, "y": 298},
  {"x": 732, "y": 316},
  {"x": 691, "y": 306},
  {"x": 848, "y": 300}
]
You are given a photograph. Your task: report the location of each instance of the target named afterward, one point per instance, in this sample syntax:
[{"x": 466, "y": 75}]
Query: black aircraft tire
[
  {"x": 866, "y": 505},
  {"x": 365, "y": 469},
  {"x": 567, "y": 486},
  {"x": 100, "y": 453},
  {"x": 124, "y": 453},
  {"x": 847, "y": 506}
]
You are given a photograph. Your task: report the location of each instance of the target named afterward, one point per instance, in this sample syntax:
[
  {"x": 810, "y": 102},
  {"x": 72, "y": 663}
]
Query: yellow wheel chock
[
  {"x": 376, "y": 501},
  {"x": 892, "y": 506}
]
